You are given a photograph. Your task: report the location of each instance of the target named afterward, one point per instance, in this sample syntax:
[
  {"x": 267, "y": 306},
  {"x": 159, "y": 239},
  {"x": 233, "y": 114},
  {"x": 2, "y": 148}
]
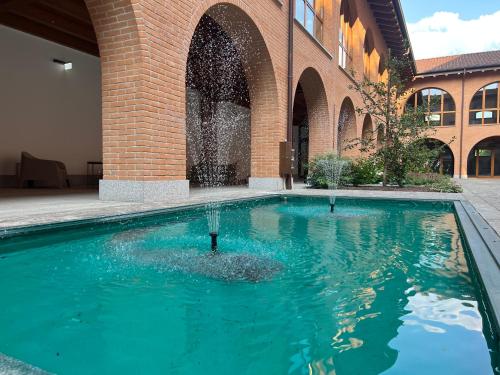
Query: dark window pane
[
  {"x": 497, "y": 162},
  {"x": 477, "y": 100},
  {"x": 299, "y": 11},
  {"x": 449, "y": 119},
  {"x": 490, "y": 117},
  {"x": 435, "y": 100},
  {"x": 484, "y": 164},
  {"x": 491, "y": 99},
  {"x": 448, "y": 104},
  {"x": 471, "y": 164},
  {"x": 420, "y": 98},
  {"x": 475, "y": 118},
  {"x": 310, "y": 20}
]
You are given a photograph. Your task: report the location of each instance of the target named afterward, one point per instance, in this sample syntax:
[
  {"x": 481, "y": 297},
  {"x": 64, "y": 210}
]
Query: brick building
[
  {"x": 135, "y": 88},
  {"x": 466, "y": 111}
]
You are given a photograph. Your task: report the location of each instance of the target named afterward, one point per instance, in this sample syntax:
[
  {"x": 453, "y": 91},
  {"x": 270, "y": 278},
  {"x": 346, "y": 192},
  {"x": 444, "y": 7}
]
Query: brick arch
[
  {"x": 490, "y": 142},
  {"x": 317, "y": 112},
  {"x": 483, "y": 85},
  {"x": 430, "y": 88},
  {"x": 441, "y": 161},
  {"x": 367, "y": 130},
  {"x": 122, "y": 55},
  {"x": 238, "y": 21},
  {"x": 480, "y": 138},
  {"x": 346, "y": 129}
]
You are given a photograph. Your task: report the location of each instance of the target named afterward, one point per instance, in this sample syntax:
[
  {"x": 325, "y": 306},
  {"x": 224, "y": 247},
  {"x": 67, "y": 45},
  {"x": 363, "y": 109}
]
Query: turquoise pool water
[{"x": 380, "y": 287}]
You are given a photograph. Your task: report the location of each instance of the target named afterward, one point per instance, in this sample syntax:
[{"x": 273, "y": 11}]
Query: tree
[{"x": 402, "y": 148}]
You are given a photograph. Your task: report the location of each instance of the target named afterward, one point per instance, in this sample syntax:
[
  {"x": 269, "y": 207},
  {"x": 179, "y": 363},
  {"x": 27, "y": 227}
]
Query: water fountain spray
[
  {"x": 218, "y": 113},
  {"x": 333, "y": 167},
  {"x": 332, "y": 170}
]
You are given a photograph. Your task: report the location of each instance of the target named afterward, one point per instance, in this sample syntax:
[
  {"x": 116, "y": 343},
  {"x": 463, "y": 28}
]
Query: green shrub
[
  {"x": 434, "y": 182},
  {"x": 365, "y": 171},
  {"x": 317, "y": 175}
]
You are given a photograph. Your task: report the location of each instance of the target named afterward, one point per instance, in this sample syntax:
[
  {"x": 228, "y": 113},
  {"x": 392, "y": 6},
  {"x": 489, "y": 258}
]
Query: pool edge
[
  {"x": 16, "y": 231},
  {"x": 484, "y": 245}
]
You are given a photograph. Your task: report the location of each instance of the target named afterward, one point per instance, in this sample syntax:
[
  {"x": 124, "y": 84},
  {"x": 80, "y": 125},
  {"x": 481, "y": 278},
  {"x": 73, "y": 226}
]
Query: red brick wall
[
  {"x": 144, "y": 46},
  {"x": 472, "y": 134}
]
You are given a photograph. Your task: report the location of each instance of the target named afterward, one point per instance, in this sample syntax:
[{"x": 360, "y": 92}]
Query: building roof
[
  {"x": 457, "y": 63},
  {"x": 391, "y": 22}
]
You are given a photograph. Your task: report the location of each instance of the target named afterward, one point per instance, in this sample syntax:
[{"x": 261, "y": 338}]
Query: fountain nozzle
[
  {"x": 332, "y": 207},
  {"x": 213, "y": 236}
]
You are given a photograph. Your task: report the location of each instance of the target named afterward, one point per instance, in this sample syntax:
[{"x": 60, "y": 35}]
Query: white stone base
[
  {"x": 266, "y": 183},
  {"x": 143, "y": 191}
]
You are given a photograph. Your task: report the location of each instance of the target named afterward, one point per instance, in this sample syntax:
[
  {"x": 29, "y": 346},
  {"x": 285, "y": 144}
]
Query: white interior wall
[{"x": 45, "y": 110}]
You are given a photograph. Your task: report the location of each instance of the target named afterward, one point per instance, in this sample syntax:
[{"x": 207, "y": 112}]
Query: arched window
[
  {"x": 382, "y": 69},
  {"x": 438, "y": 104},
  {"x": 485, "y": 105},
  {"x": 347, "y": 18},
  {"x": 368, "y": 47}
]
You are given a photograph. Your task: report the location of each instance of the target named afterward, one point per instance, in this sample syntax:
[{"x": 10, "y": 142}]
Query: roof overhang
[
  {"x": 392, "y": 25},
  {"x": 449, "y": 72}
]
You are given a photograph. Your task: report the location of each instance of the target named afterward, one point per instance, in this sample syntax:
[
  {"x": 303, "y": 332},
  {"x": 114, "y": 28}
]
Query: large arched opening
[
  {"x": 444, "y": 163},
  {"x": 346, "y": 130},
  {"x": 51, "y": 96},
  {"x": 367, "y": 132},
  {"x": 231, "y": 102},
  {"x": 484, "y": 159},
  {"x": 311, "y": 132}
]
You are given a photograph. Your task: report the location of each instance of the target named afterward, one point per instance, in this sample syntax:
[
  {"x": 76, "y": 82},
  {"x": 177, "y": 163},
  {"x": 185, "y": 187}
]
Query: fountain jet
[{"x": 214, "y": 235}]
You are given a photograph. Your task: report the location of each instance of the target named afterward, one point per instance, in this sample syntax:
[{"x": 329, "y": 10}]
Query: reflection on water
[{"x": 374, "y": 288}]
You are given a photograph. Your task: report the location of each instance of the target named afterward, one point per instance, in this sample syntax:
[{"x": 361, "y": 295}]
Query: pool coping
[
  {"x": 484, "y": 245},
  {"x": 19, "y": 230},
  {"x": 16, "y": 231}
]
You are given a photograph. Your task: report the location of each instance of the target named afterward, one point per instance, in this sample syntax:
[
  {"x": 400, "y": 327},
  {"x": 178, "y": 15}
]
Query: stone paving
[
  {"x": 19, "y": 208},
  {"x": 484, "y": 194},
  {"x": 27, "y": 207}
]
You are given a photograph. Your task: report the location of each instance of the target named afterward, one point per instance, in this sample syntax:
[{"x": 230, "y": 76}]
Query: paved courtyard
[
  {"x": 27, "y": 207},
  {"x": 484, "y": 194},
  {"x": 31, "y": 207}
]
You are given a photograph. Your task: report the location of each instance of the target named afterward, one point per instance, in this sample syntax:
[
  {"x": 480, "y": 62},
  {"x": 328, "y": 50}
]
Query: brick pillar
[{"x": 143, "y": 138}]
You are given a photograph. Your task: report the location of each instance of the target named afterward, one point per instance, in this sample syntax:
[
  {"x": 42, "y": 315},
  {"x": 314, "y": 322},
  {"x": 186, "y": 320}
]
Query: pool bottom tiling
[{"x": 377, "y": 287}]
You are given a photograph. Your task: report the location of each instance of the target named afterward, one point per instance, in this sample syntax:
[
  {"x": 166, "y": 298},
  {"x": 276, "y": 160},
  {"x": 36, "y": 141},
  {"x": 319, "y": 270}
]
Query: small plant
[
  {"x": 365, "y": 171},
  {"x": 318, "y": 168},
  {"x": 434, "y": 182}
]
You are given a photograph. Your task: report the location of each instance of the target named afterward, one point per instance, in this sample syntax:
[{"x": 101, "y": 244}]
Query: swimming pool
[{"x": 379, "y": 287}]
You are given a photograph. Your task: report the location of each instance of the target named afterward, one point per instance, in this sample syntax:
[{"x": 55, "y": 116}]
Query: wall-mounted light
[{"x": 68, "y": 65}]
